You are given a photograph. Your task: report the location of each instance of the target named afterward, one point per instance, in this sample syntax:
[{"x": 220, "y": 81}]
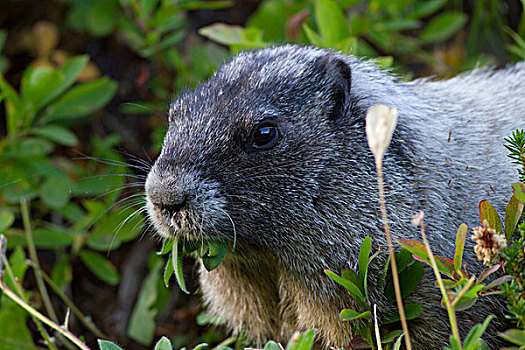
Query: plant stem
[
  {"x": 16, "y": 283},
  {"x": 463, "y": 291},
  {"x": 449, "y": 306},
  {"x": 34, "y": 257},
  {"x": 20, "y": 291},
  {"x": 89, "y": 325},
  {"x": 66, "y": 333},
  {"x": 393, "y": 264}
]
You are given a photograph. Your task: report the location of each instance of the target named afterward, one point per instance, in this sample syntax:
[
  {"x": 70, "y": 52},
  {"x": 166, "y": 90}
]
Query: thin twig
[
  {"x": 393, "y": 264},
  {"x": 450, "y": 308},
  {"x": 5, "y": 263},
  {"x": 89, "y": 325},
  {"x": 66, "y": 333},
  {"x": 34, "y": 257}
]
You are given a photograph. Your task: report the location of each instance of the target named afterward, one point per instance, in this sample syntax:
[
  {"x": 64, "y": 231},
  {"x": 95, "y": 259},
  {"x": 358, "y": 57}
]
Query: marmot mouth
[{"x": 176, "y": 221}]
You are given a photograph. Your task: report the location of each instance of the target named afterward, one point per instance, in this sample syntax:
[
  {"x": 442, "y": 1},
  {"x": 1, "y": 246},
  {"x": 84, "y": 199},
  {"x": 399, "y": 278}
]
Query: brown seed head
[{"x": 489, "y": 243}]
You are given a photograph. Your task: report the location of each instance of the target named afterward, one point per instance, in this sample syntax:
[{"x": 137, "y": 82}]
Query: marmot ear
[{"x": 336, "y": 79}]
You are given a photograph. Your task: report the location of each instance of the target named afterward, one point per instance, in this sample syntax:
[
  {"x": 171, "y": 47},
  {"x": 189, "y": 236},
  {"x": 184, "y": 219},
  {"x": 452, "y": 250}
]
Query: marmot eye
[{"x": 264, "y": 136}]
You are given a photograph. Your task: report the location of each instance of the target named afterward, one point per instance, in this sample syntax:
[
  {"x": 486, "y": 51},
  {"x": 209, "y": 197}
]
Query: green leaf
[
  {"x": 82, "y": 100},
  {"x": 101, "y": 267},
  {"x": 305, "y": 341},
  {"x": 397, "y": 345},
  {"x": 100, "y": 18},
  {"x": 201, "y": 5},
  {"x": 14, "y": 106},
  {"x": 351, "y": 275},
  {"x": 464, "y": 303},
  {"x": 55, "y": 191},
  {"x": 515, "y": 336},
  {"x": 312, "y": 36},
  {"x": 97, "y": 185},
  {"x": 38, "y": 83},
  {"x": 443, "y": 26},
  {"x": 412, "y": 311},
  {"x": 410, "y": 278},
  {"x": 233, "y": 35},
  {"x": 168, "y": 270},
  {"x": 51, "y": 237},
  {"x": 330, "y": 20},
  {"x": 271, "y": 345},
  {"x": 364, "y": 253},
  {"x": 176, "y": 259},
  {"x": 56, "y": 133},
  {"x": 351, "y": 287},
  {"x": 6, "y": 220},
  {"x": 217, "y": 252},
  {"x": 13, "y": 328},
  {"x": 163, "y": 344},
  {"x": 471, "y": 341},
  {"x": 391, "y": 336},
  {"x": 141, "y": 326},
  {"x": 425, "y": 8},
  {"x": 19, "y": 265},
  {"x": 28, "y": 147},
  {"x": 518, "y": 189},
  {"x": 167, "y": 245},
  {"x": 512, "y": 216},
  {"x": 487, "y": 212},
  {"x": 396, "y": 25},
  {"x": 461, "y": 235},
  {"x": 189, "y": 247},
  {"x": 456, "y": 345},
  {"x": 107, "y": 345},
  {"x": 70, "y": 70},
  {"x": 62, "y": 273},
  {"x": 350, "y": 315}
]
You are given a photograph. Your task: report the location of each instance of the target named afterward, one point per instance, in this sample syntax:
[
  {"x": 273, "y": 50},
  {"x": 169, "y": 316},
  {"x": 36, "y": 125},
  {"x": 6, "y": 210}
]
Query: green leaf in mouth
[
  {"x": 216, "y": 253},
  {"x": 176, "y": 259},
  {"x": 211, "y": 252}
]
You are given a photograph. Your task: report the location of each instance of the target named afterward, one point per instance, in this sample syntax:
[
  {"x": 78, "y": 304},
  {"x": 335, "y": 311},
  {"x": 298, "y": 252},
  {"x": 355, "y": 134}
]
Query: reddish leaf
[
  {"x": 447, "y": 263},
  {"x": 519, "y": 191},
  {"x": 488, "y": 271},
  {"x": 418, "y": 258},
  {"x": 512, "y": 215},
  {"x": 487, "y": 212},
  {"x": 445, "y": 266},
  {"x": 498, "y": 281}
]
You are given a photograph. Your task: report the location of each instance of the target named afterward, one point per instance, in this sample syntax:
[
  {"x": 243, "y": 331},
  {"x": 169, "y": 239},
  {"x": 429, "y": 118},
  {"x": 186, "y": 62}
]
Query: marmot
[{"x": 270, "y": 154}]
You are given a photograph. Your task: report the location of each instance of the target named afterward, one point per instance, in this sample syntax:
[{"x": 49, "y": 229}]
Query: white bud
[
  {"x": 417, "y": 219},
  {"x": 381, "y": 121}
]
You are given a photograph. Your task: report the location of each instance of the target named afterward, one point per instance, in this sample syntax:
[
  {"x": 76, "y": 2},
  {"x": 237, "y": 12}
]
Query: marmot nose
[{"x": 173, "y": 207}]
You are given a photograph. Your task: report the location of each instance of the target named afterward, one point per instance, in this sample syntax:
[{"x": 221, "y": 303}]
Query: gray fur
[{"x": 307, "y": 203}]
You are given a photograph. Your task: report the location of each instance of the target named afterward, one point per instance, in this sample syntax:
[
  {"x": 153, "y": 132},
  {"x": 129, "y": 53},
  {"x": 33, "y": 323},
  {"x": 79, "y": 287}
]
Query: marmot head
[{"x": 255, "y": 153}]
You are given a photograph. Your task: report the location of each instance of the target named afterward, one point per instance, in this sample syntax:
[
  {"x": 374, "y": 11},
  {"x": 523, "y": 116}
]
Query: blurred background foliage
[{"x": 84, "y": 90}]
